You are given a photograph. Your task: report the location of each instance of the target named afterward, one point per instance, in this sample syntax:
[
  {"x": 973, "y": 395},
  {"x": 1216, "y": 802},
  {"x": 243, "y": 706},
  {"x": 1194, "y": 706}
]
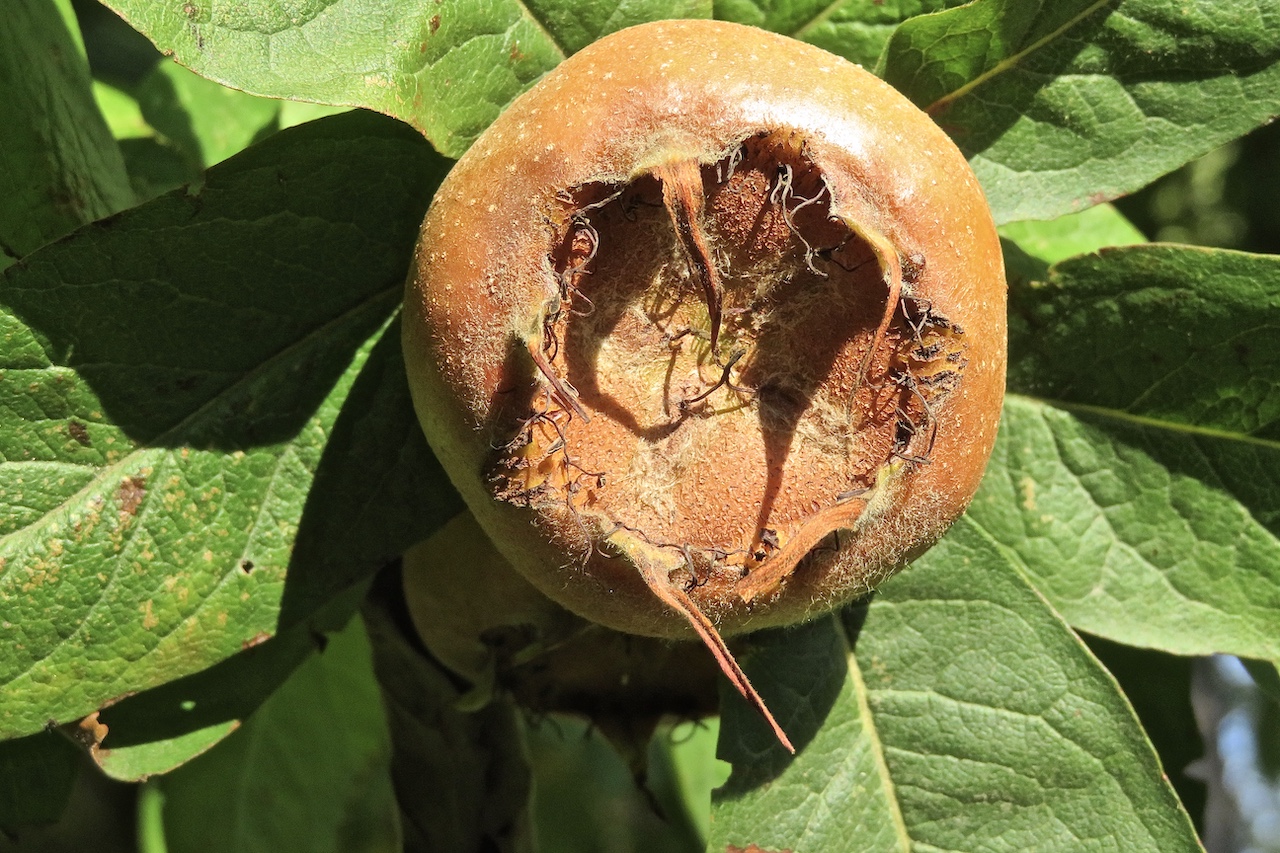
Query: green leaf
[
  {"x": 68, "y": 13},
  {"x": 1089, "y": 230},
  {"x": 36, "y": 776},
  {"x": 982, "y": 723},
  {"x": 1138, "y": 474},
  {"x": 140, "y": 761},
  {"x": 682, "y": 772},
  {"x": 1000, "y": 730},
  {"x": 59, "y": 167},
  {"x": 587, "y": 798},
  {"x": 1063, "y": 105},
  {"x": 296, "y": 112},
  {"x": 1158, "y": 685},
  {"x": 308, "y": 771},
  {"x": 837, "y": 786},
  {"x": 155, "y": 164},
  {"x": 377, "y": 490},
  {"x": 121, "y": 111},
  {"x": 447, "y": 68},
  {"x": 856, "y": 31},
  {"x": 460, "y": 778},
  {"x": 170, "y": 380},
  {"x": 160, "y": 729},
  {"x": 206, "y": 121},
  {"x": 1161, "y": 335},
  {"x": 1135, "y": 532}
]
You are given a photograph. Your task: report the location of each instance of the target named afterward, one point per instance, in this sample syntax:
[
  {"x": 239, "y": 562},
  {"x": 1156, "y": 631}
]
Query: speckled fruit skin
[{"x": 695, "y": 89}]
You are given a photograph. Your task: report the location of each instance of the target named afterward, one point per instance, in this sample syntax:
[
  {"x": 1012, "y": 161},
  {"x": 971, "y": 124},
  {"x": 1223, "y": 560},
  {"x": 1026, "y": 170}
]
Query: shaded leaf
[
  {"x": 1158, "y": 685},
  {"x": 586, "y": 798},
  {"x": 68, "y": 13},
  {"x": 447, "y": 68},
  {"x": 155, "y": 164},
  {"x": 59, "y": 167},
  {"x": 1173, "y": 335},
  {"x": 37, "y": 773},
  {"x": 1266, "y": 676},
  {"x": 308, "y": 771},
  {"x": 170, "y": 380},
  {"x": 837, "y": 787},
  {"x": 460, "y": 778},
  {"x": 1062, "y": 105},
  {"x": 1139, "y": 476}
]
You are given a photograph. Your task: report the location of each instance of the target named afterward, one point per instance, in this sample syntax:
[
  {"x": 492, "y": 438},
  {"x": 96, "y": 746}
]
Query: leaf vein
[{"x": 1014, "y": 58}]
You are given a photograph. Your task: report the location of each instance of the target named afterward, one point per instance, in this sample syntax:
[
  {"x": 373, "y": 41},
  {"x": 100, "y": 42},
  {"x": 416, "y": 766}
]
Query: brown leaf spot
[
  {"x": 751, "y": 848},
  {"x": 149, "y": 618},
  {"x": 256, "y": 640},
  {"x": 130, "y": 494},
  {"x": 79, "y": 433},
  {"x": 434, "y": 23}
]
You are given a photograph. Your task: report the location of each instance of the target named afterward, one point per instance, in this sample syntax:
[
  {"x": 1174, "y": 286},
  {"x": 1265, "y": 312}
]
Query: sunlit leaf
[
  {"x": 1062, "y": 105},
  {"x": 1135, "y": 474},
  {"x": 962, "y": 715},
  {"x": 448, "y": 67},
  {"x": 170, "y": 381},
  {"x": 59, "y": 167}
]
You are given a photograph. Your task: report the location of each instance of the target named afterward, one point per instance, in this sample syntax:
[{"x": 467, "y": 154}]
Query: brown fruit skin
[{"x": 627, "y": 102}]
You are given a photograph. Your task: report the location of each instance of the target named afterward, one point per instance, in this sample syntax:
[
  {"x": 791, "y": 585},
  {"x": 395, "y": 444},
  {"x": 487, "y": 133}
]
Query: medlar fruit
[{"x": 708, "y": 329}]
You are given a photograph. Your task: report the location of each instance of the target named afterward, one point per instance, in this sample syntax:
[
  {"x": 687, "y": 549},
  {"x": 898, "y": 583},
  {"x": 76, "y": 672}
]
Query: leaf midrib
[
  {"x": 1149, "y": 422},
  {"x": 873, "y": 735},
  {"x": 1014, "y": 58},
  {"x": 542, "y": 28}
]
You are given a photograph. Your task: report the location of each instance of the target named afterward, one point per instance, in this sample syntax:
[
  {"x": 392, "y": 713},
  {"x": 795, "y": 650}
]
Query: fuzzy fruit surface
[{"x": 708, "y": 329}]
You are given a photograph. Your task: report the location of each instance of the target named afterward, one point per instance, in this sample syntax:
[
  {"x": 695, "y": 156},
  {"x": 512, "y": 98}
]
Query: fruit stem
[
  {"x": 676, "y": 598},
  {"x": 683, "y": 197}
]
